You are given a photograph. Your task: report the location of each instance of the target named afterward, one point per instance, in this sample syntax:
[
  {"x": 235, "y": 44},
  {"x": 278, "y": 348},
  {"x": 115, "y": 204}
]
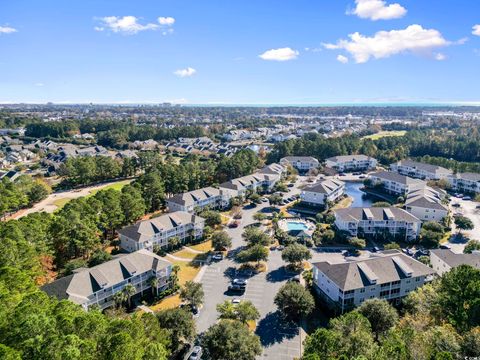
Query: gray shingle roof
[
  {"x": 385, "y": 268},
  {"x": 422, "y": 166},
  {"x": 144, "y": 230},
  {"x": 79, "y": 286},
  {"x": 345, "y": 158},
  {"x": 299, "y": 158},
  {"x": 378, "y": 213},
  {"x": 325, "y": 186},
  {"x": 191, "y": 197},
  {"x": 398, "y": 178},
  {"x": 452, "y": 259}
]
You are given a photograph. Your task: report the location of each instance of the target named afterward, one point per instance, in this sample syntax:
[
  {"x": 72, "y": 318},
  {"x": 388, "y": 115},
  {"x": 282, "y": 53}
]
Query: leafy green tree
[
  {"x": 259, "y": 216},
  {"x": 227, "y": 310},
  {"x": 392, "y": 246},
  {"x": 99, "y": 257},
  {"x": 255, "y": 236},
  {"x": 322, "y": 344},
  {"x": 246, "y": 311},
  {"x": 463, "y": 223},
  {"x": 132, "y": 204},
  {"x": 230, "y": 340},
  {"x": 381, "y": 315},
  {"x": 275, "y": 199},
  {"x": 461, "y": 285},
  {"x": 192, "y": 293},
  {"x": 295, "y": 254},
  {"x": 111, "y": 212},
  {"x": 294, "y": 301},
  {"x": 212, "y": 218},
  {"x": 357, "y": 243},
  {"x": 153, "y": 283},
  {"x": 153, "y": 190},
  {"x": 471, "y": 342},
  {"x": 180, "y": 324},
  {"x": 354, "y": 334},
  {"x": 471, "y": 246},
  {"x": 221, "y": 240},
  {"x": 254, "y": 253}
]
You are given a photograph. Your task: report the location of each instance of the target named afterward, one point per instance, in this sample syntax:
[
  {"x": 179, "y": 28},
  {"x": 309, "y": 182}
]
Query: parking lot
[{"x": 280, "y": 340}]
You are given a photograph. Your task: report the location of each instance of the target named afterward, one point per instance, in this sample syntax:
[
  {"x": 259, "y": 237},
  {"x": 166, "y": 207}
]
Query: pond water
[{"x": 360, "y": 199}]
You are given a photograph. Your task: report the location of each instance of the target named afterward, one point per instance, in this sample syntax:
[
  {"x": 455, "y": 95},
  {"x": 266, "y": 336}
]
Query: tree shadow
[
  {"x": 274, "y": 328},
  {"x": 278, "y": 275}
]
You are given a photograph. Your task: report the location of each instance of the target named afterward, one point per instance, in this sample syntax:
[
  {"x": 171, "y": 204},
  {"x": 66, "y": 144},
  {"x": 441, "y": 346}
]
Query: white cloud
[
  {"x": 168, "y": 21},
  {"x": 130, "y": 25},
  {"x": 7, "y": 30},
  {"x": 39, "y": 84},
  {"x": 413, "y": 39},
  {"x": 187, "y": 72},
  {"x": 476, "y": 30},
  {"x": 342, "y": 59},
  {"x": 440, "y": 57},
  {"x": 377, "y": 10},
  {"x": 281, "y": 54}
]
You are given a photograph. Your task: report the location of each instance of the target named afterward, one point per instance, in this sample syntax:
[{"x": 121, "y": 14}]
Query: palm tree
[
  {"x": 153, "y": 282},
  {"x": 129, "y": 291},
  {"x": 174, "y": 274},
  {"x": 119, "y": 298}
]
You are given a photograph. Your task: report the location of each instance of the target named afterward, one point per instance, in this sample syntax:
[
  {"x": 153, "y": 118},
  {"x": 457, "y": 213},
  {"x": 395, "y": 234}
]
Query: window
[
  {"x": 395, "y": 291},
  {"x": 417, "y": 279},
  {"x": 384, "y": 293},
  {"x": 385, "y": 285},
  {"x": 362, "y": 290}
]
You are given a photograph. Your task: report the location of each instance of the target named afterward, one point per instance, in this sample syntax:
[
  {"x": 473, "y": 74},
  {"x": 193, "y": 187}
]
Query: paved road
[{"x": 280, "y": 340}]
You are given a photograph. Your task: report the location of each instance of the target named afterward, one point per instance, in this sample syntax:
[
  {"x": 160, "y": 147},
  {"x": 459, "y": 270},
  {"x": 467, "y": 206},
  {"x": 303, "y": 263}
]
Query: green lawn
[
  {"x": 115, "y": 186},
  {"x": 60, "y": 203},
  {"x": 385, "y": 134}
]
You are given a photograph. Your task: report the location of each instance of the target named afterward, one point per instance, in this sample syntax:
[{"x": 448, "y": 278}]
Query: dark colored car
[{"x": 236, "y": 288}]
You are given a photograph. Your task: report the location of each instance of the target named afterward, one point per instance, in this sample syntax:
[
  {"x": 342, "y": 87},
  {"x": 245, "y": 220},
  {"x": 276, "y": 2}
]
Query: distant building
[
  {"x": 443, "y": 260},
  {"x": 420, "y": 170},
  {"x": 426, "y": 204},
  {"x": 351, "y": 163},
  {"x": 388, "y": 275},
  {"x": 374, "y": 221},
  {"x": 465, "y": 182},
  {"x": 158, "y": 231},
  {"x": 321, "y": 193},
  {"x": 98, "y": 285},
  {"x": 395, "y": 183},
  {"x": 301, "y": 163}
]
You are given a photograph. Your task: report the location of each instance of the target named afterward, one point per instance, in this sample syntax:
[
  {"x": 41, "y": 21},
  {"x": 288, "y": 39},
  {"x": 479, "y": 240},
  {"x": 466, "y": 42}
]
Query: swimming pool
[{"x": 296, "y": 225}]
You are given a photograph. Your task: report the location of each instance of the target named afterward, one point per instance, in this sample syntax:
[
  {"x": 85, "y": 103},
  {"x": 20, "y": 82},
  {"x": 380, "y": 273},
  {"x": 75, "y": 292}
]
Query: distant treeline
[{"x": 462, "y": 145}]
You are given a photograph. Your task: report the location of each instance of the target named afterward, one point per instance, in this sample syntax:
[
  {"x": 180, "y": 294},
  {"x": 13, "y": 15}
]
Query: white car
[{"x": 236, "y": 301}]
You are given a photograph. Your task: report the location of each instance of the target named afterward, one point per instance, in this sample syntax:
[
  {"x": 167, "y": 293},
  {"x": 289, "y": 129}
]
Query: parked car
[
  {"x": 233, "y": 224},
  {"x": 456, "y": 205},
  {"x": 236, "y": 301},
  {"x": 375, "y": 249},
  {"x": 362, "y": 176},
  {"x": 236, "y": 288},
  {"x": 467, "y": 198},
  {"x": 196, "y": 353},
  {"x": 217, "y": 257},
  {"x": 280, "y": 247},
  {"x": 241, "y": 282},
  {"x": 264, "y": 200},
  {"x": 445, "y": 247},
  {"x": 296, "y": 279},
  {"x": 342, "y": 174},
  {"x": 290, "y": 185}
]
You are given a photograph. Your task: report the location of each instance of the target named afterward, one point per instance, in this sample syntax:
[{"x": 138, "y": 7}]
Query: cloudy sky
[{"x": 239, "y": 52}]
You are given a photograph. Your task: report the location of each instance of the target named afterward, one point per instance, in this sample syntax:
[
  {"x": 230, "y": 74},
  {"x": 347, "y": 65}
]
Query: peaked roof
[
  {"x": 299, "y": 158},
  {"x": 422, "y": 166},
  {"x": 144, "y": 230},
  {"x": 379, "y": 269},
  {"x": 453, "y": 259},
  {"x": 325, "y": 186},
  {"x": 344, "y": 158},
  {"x": 375, "y": 213},
  {"x": 79, "y": 286},
  {"x": 191, "y": 197},
  {"x": 396, "y": 177}
]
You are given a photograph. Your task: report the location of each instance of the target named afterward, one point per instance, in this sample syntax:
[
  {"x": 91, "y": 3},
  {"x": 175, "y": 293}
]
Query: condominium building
[
  {"x": 158, "y": 231},
  {"x": 351, "y": 163},
  {"x": 322, "y": 192},
  {"x": 388, "y": 275},
  {"x": 395, "y": 183},
  {"x": 301, "y": 163},
  {"x": 98, "y": 285},
  {"x": 427, "y": 204},
  {"x": 443, "y": 260},
  {"x": 465, "y": 182},
  {"x": 208, "y": 197},
  {"x": 364, "y": 222},
  {"x": 420, "y": 170},
  {"x": 257, "y": 182}
]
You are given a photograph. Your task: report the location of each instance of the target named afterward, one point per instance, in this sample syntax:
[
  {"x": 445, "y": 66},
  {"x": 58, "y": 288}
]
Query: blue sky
[{"x": 209, "y": 52}]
